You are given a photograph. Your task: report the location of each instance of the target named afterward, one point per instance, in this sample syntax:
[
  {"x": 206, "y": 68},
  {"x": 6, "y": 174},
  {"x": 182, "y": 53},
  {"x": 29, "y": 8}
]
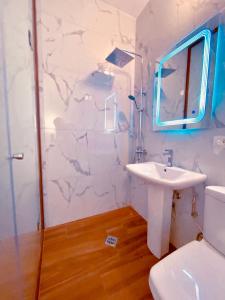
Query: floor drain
[{"x": 111, "y": 241}]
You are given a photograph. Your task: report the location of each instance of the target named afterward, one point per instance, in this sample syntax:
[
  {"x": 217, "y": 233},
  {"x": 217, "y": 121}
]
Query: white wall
[
  {"x": 159, "y": 27},
  {"x": 83, "y": 165}
]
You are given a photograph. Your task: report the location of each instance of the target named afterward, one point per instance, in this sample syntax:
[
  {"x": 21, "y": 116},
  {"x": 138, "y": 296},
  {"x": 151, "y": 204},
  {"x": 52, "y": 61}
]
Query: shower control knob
[{"x": 18, "y": 156}]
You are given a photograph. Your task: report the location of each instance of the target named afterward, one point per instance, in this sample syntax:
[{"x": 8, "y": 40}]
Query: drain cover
[{"x": 111, "y": 241}]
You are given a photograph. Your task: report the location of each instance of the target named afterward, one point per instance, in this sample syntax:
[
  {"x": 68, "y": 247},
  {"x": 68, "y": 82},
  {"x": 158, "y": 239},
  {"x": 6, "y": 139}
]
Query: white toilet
[{"x": 197, "y": 270}]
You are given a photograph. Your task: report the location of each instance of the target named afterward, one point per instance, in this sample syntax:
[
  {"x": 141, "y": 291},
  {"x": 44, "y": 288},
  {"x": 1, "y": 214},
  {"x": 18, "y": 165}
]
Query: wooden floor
[
  {"x": 78, "y": 265},
  {"x": 19, "y": 266}
]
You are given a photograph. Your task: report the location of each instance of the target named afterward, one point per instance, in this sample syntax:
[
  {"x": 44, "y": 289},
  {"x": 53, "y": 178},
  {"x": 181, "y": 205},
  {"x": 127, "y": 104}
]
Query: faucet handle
[{"x": 169, "y": 153}]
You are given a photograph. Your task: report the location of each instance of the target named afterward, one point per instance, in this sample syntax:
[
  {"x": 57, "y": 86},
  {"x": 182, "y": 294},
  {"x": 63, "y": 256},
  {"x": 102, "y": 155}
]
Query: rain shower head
[{"x": 119, "y": 57}]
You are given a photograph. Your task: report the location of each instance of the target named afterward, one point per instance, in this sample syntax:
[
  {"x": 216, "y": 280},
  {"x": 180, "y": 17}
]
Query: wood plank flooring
[
  {"x": 19, "y": 266},
  {"x": 77, "y": 264}
]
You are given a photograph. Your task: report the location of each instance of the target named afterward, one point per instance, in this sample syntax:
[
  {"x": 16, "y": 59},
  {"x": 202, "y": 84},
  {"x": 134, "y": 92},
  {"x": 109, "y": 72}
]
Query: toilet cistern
[{"x": 169, "y": 154}]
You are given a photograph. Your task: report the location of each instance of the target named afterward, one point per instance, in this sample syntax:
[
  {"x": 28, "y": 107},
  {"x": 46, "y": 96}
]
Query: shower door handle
[{"x": 18, "y": 156}]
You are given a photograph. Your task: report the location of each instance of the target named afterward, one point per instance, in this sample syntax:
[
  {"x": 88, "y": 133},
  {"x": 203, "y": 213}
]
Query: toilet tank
[{"x": 214, "y": 217}]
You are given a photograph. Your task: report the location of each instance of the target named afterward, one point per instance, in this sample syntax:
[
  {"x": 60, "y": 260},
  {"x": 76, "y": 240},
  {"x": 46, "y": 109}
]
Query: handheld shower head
[{"x": 133, "y": 98}]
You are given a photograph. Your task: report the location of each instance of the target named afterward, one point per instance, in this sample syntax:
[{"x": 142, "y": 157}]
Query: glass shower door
[
  {"x": 10, "y": 282},
  {"x": 20, "y": 238}
]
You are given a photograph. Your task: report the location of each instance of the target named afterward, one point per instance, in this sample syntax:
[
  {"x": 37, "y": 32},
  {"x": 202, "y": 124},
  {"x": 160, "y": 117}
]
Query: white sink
[
  {"x": 175, "y": 178},
  {"x": 162, "y": 182}
]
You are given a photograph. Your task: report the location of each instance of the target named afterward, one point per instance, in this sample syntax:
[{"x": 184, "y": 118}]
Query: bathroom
[{"x": 112, "y": 136}]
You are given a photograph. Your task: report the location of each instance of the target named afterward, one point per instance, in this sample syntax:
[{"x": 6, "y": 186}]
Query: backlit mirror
[{"x": 181, "y": 83}]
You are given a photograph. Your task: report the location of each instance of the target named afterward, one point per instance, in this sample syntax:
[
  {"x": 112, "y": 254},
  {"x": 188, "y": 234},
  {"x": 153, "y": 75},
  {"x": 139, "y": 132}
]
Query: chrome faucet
[{"x": 169, "y": 153}]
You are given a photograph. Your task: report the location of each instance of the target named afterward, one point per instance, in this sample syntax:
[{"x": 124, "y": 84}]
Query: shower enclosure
[
  {"x": 20, "y": 228},
  {"x": 121, "y": 58}
]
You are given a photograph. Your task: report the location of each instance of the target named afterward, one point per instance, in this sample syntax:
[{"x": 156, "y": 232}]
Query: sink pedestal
[
  {"x": 159, "y": 219},
  {"x": 162, "y": 182}
]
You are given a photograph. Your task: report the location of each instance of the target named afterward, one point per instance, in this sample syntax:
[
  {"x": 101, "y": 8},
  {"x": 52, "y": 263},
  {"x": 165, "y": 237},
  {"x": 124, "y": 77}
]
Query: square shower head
[{"x": 119, "y": 58}]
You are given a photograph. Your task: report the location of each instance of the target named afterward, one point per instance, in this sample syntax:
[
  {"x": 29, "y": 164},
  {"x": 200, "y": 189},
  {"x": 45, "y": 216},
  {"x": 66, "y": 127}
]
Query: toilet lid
[{"x": 195, "y": 271}]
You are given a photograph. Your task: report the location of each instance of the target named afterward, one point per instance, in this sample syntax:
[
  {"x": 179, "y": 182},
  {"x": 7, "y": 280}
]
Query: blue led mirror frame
[{"x": 205, "y": 34}]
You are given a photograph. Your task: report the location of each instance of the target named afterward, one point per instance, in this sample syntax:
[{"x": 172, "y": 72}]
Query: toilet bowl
[{"x": 196, "y": 270}]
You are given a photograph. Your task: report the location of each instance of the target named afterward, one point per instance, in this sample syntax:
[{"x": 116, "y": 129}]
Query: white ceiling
[{"x": 131, "y": 7}]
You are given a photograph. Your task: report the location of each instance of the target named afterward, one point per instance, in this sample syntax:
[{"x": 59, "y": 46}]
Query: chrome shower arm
[{"x": 133, "y": 53}]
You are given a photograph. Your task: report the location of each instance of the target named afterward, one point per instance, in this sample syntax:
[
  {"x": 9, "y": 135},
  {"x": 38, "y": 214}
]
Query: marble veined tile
[
  {"x": 83, "y": 162},
  {"x": 157, "y": 31}
]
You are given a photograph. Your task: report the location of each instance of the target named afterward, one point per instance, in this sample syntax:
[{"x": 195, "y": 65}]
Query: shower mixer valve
[{"x": 141, "y": 151}]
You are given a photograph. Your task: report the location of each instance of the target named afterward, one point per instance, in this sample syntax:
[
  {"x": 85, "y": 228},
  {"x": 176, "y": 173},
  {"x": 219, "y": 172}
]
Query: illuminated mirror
[{"x": 181, "y": 83}]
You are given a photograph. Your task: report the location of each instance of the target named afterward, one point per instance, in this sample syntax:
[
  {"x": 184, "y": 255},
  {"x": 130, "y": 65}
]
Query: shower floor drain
[{"x": 111, "y": 241}]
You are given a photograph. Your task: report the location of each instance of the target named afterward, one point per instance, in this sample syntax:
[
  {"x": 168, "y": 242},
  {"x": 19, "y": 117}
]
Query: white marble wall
[
  {"x": 83, "y": 163},
  {"x": 159, "y": 27}
]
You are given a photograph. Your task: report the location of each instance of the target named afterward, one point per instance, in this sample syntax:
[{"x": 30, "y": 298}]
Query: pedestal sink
[{"x": 162, "y": 181}]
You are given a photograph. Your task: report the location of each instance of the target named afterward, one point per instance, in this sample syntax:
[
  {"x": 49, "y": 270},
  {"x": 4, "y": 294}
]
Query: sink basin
[
  {"x": 175, "y": 178},
  {"x": 162, "y": 181}
]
